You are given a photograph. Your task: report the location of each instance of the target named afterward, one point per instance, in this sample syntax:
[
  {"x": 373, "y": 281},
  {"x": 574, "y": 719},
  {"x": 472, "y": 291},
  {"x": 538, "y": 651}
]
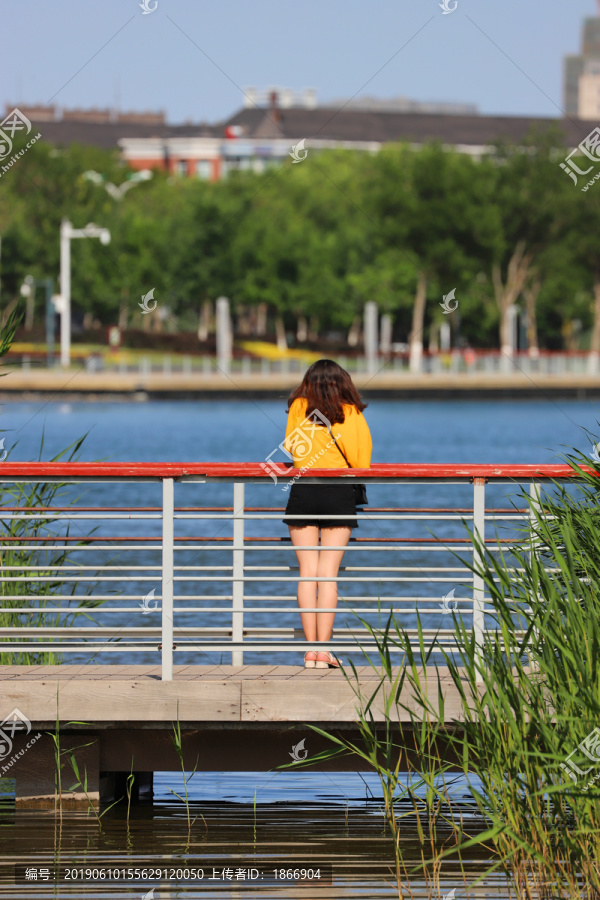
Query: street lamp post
[
  {"x": 28, "y": 291},
  {"x": 118, "y": 192},
  {"x": 67, "y": 233}
]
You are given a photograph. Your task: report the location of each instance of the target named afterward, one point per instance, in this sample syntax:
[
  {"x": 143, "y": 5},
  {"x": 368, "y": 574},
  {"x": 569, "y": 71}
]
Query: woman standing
[{"x": 325, "y": 430}]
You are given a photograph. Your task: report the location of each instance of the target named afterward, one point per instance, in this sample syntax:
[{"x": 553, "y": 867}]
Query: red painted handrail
[{"x": 231, "y": 470}]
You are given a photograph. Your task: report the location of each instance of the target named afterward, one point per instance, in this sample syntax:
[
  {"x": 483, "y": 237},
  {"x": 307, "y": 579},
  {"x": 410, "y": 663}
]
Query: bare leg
[
  {"x": 308, "y": 560},
  {"x": 328, "y": 567}
]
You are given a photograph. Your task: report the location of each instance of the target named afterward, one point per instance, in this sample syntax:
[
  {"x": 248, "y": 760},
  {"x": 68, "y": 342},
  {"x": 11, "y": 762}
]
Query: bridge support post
[
  {"x": 36, "y": 772},
  {"x": 168, "y": 539},
  {"x": 478, "y": 584},
  {"x": 116, "y": 786},
  {"x": 237, "y": 584}
]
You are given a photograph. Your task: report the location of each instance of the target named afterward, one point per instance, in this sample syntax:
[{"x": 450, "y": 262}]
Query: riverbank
[{"x": 23, "y": 384}]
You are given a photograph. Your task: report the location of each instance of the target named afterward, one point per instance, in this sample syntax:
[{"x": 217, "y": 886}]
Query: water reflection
[{"x": 330, "y": 823}]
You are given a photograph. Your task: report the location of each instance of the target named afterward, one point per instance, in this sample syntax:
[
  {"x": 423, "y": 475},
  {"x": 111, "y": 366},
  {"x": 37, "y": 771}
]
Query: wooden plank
[
  {"x": 110, "y": 702},
  {"x": 259, "y": 672},
  {"x": 135, "y": 694},
  {"x": 329, "y": 699}
]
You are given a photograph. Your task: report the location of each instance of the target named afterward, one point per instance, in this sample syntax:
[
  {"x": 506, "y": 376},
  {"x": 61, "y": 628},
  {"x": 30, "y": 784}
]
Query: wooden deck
[
  {"x": 106, "y": 695},
  {"x": 117, "y": 719}
]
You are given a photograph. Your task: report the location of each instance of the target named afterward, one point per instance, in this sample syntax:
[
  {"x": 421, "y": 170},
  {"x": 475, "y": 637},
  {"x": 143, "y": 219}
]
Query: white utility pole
[
  {"x": 67, "y": 232},
  {"x": 371, "y": 336},
  {"x": 385, "y": 341},
  {"x": 224, "y": 335}
]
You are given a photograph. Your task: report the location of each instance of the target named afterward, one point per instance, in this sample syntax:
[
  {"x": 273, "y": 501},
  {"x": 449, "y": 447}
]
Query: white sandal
[
  {"x": 310, "y": 663},
  {"x": 331, "y": 662}
]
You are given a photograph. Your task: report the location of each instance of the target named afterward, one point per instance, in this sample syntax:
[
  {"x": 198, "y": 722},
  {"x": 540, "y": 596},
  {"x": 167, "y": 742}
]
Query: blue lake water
[
  {"x": 410, "y": 431},
  {"x": 407, "y": 431},
  {"x": 332, "y": 815}
]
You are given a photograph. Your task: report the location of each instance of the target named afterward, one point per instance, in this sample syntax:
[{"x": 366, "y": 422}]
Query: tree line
[{"x": 301, "y": 248}]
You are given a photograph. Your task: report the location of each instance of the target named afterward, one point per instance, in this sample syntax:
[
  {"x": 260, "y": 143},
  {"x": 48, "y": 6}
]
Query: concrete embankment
[{"x": 79, "y": 384}]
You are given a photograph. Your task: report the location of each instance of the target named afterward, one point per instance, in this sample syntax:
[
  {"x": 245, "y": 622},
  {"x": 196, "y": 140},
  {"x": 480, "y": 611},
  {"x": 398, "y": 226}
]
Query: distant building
[
  {"x": 405, "y": 104},
  {"x": 264, "y": 131},
  {"x": 105, "y": 127},
  {"x": 582, "y": 75},
  {"x": 96, "y": 116}
]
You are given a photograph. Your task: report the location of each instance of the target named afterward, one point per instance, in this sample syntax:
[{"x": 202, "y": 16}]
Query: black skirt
[{"x": 311, "y": 501}]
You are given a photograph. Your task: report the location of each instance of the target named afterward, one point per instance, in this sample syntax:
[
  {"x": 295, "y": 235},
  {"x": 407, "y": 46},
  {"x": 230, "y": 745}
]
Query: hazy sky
[{"x": 192, "y": 58}]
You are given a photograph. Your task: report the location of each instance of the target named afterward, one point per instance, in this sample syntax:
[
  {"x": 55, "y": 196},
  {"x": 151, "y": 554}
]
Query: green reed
[
  {"x": 534, "y": 695},
  {"x": 33, "y": 598},
  {"x": 177, "y": 741},
  {"x": 528, "y": 697},
  {"x": 31, "y": 592}
]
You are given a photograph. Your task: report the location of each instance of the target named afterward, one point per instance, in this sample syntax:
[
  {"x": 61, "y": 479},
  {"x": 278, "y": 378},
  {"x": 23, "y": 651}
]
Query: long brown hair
[{"x": 327, "y": 387}]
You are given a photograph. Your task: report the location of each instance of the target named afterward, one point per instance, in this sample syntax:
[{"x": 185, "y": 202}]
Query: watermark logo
[
  {"x": 146, "y": 8},
  {"x": 446, "y": 605},
  {"x": 446, "y": 305},
  {"x": 590, "y": 748},
  {"x": 3, "y": 452},
  {"x": 446, "y": 8},
  {"x": 595, "y": 454},
  {"x": 14, "y": 722},
  {"x": 297, "y": 151},
  {"x": 144, "y": 305},
  {"x": 145, "y": 605},
  {"x": 299, "y": 752},
  {"x": 10, "y": 124},
  {"x": 275, "y": 469},
  {"x": 590, "y": 148},
  {"x": 297, "y": 445}
]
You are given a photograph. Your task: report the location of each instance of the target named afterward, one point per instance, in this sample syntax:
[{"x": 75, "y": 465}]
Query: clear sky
[{"x": 192, "y": 58}]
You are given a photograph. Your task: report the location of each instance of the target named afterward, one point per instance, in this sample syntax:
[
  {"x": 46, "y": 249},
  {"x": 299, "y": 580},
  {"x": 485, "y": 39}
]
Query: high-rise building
[{"x": 582, "y": 74}]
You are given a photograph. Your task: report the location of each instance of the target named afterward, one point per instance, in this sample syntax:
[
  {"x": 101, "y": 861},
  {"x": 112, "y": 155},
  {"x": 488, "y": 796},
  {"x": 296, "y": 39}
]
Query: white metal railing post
[
  {"x": 535, "y": 503},
  {"x": 167, "y": 587},
  {"x": 237, "y": 576},
  {"x": 478, "y": 583}
]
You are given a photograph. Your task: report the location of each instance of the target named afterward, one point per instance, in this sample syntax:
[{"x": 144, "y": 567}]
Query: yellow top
[{"x": 312, "y": 446}]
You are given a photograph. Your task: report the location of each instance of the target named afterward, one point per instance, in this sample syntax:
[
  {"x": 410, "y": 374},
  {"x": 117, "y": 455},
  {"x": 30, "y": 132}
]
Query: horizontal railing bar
[
  {"x": 155, "y": 631},
  {"x": 370, "y": 515},
  {"x": 148, "y": 579},
  {"x": 79, "y": 516},
  {"x": 76, "y": 610},
  {"x": 354, "y": 568},
  {"x": 188, "y": 633},
  {"x": 130, "y": 568},
  {"x": 59, "y": 649},
  {"x": 69, "y": 579},
  {"x": 217, "y": 646},
  {"x": 71, "y": 472},
  {"x": 111, "y": 610},
  {"x": 281, "y": 509},
  {"x": 283, "y": 543},
  {"x": 127, "y": 575},
  {"x": 280, "y": 610},
  {"x": 150, "y": 568},
  {"x": 182, "y": 578},
  {"x": 191, "y": 648}
]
